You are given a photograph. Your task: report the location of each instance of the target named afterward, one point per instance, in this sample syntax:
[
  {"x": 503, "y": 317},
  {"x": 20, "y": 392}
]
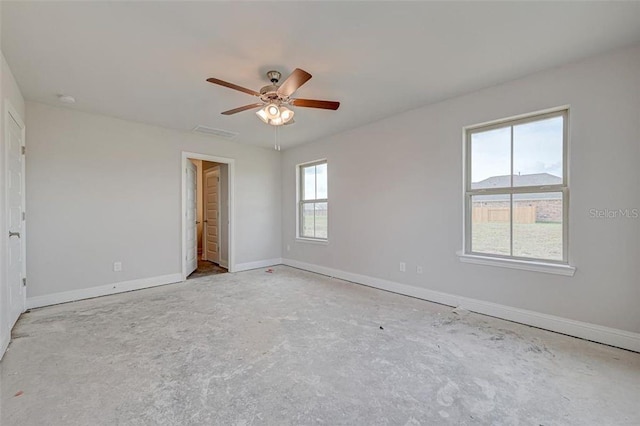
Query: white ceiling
[{"x": 148, "y": 61}]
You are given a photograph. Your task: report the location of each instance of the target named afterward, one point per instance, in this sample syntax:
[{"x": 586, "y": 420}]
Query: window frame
[
  {"x": 300, "y": 203},
  {"x": 515, "y": 190}
]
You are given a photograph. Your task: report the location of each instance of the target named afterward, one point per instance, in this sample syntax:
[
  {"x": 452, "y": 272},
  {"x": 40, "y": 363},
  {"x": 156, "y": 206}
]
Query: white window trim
[
  {"x": 525, "y": 265},
  {"x": 299, "y": 202},
  {"x": 307, "y": 240},
  {"x": 529, "y": 264}
]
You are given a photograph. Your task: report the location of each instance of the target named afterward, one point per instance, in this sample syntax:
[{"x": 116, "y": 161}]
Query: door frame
[
  {"x": 230, "y": 162},
  {"x": 12, "y": 114},
  {"x": 204, "y": 208}
]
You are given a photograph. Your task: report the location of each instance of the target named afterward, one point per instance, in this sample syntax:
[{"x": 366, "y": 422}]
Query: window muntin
[
  {"x": 516, "y": 191},
  {"x": 313, "y": 201}
]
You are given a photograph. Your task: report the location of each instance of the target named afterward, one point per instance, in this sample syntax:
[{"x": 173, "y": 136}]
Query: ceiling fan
[{"x": 275, "y": 97}]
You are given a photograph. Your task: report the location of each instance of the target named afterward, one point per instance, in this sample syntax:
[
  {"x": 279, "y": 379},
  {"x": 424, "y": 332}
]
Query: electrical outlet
[
  {"x": 117, "y": 266},
  {"x": 403, "y": 267},
  {"x": 418, "y": 269},
  {"x": 288, "y": 247}
]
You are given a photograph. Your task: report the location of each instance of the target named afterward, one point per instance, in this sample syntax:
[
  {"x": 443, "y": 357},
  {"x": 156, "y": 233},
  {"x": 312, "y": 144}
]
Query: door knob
[
  {"x": 197, "y": 222},
  {"x": 14, "y": 234}
]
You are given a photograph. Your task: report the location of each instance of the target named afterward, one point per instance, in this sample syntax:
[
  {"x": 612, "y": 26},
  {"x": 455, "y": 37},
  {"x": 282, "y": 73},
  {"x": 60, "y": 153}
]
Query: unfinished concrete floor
[{"x": 293, "y": 347}]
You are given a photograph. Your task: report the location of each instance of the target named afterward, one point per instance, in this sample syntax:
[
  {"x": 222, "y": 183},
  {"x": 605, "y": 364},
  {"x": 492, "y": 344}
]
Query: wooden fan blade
[
  {"x": 233, "y": 86},
  {"x": 314, "y": 103},
  {"x": 242, "y": 108},
  {"x": 297, "y": 78}
]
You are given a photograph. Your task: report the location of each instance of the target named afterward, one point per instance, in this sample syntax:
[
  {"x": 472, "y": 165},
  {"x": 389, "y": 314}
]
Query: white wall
[
  {"x": 102, "y": 189},
  {"x": 8, "y": 90},
  {"x": 395, "y": 194}
]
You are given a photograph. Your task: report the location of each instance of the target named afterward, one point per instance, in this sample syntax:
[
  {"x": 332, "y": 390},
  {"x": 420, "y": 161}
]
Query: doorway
[
  {"x": 15, "y": 274},
  {"x": 207, "y": 215},
  {"x": 211, "y": 204}
]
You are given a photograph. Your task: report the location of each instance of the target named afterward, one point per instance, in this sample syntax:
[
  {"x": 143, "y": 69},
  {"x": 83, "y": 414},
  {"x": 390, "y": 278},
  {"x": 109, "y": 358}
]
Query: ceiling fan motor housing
[
  {"x": 268, "y": 93},
  {"x": 269, "y": 90}
]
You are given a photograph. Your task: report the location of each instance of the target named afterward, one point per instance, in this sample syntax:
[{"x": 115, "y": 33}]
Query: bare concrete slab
[{"x": 292, "y": 347}]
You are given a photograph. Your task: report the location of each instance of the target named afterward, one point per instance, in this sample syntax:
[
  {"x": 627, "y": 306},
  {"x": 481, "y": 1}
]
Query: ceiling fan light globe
[
  {"x": 272, "y": 111},
  {"x": 278, "y": 121},
  {"x": 286, "y": 114},
  {"x": 262, "y": 115}
]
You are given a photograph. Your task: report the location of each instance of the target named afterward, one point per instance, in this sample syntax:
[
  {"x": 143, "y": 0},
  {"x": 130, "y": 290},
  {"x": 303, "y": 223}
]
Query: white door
[
  {"x": 211, "y": 209},
  {"x": 15, "y": 219},
  {"x": 191, "y": 217}
]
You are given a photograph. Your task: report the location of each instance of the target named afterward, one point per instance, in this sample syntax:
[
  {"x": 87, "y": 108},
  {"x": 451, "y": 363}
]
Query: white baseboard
[
  {"x": 257, "y": 264},
  {"x": 103, "y": 290},
  {"x": 597, "y": 333}
]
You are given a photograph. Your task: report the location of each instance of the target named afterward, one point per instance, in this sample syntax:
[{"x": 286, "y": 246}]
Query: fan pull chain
[{"x": 275, "y": 145}]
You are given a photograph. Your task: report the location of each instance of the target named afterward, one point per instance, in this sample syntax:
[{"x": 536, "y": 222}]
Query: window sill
[
  {"x": 525, "y": 265},
  {"x": 311, "y": 241}
]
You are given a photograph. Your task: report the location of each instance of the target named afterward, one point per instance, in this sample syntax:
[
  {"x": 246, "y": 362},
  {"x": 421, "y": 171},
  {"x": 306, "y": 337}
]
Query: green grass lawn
[{"x": 536, "y": 240}]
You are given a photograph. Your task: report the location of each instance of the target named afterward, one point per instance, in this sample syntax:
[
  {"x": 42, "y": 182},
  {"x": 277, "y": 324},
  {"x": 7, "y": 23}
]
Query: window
[
  {"x": 516, "y": 191},
  {"x": 313, "y": 201}
]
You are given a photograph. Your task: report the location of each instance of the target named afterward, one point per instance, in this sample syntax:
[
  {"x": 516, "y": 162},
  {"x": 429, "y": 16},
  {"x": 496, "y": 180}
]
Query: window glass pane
[
  {"x": 537, "y": 225},
  {"x": 491, "y": 159},
  {"x": 309, "y": 183},
  {"x": 307, "y": 220},
  {"x": 490, "y": 224},
  {"x": 321, "y": 181},
  {"x": 321, "y": 220},
  {"x": 537, "y": 153}
]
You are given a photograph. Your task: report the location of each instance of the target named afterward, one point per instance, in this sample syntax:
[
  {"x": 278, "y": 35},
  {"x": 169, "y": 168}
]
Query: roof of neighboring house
[{"x": 536, "y": 179}]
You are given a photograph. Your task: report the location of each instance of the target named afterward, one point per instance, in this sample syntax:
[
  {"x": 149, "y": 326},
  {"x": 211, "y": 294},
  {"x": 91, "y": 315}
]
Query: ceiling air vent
[{"x": 210, "y": 131}]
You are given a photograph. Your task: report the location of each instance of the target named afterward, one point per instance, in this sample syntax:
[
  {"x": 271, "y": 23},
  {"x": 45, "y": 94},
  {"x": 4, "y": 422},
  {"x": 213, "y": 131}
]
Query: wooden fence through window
[{"x": 523, "y": 214}]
